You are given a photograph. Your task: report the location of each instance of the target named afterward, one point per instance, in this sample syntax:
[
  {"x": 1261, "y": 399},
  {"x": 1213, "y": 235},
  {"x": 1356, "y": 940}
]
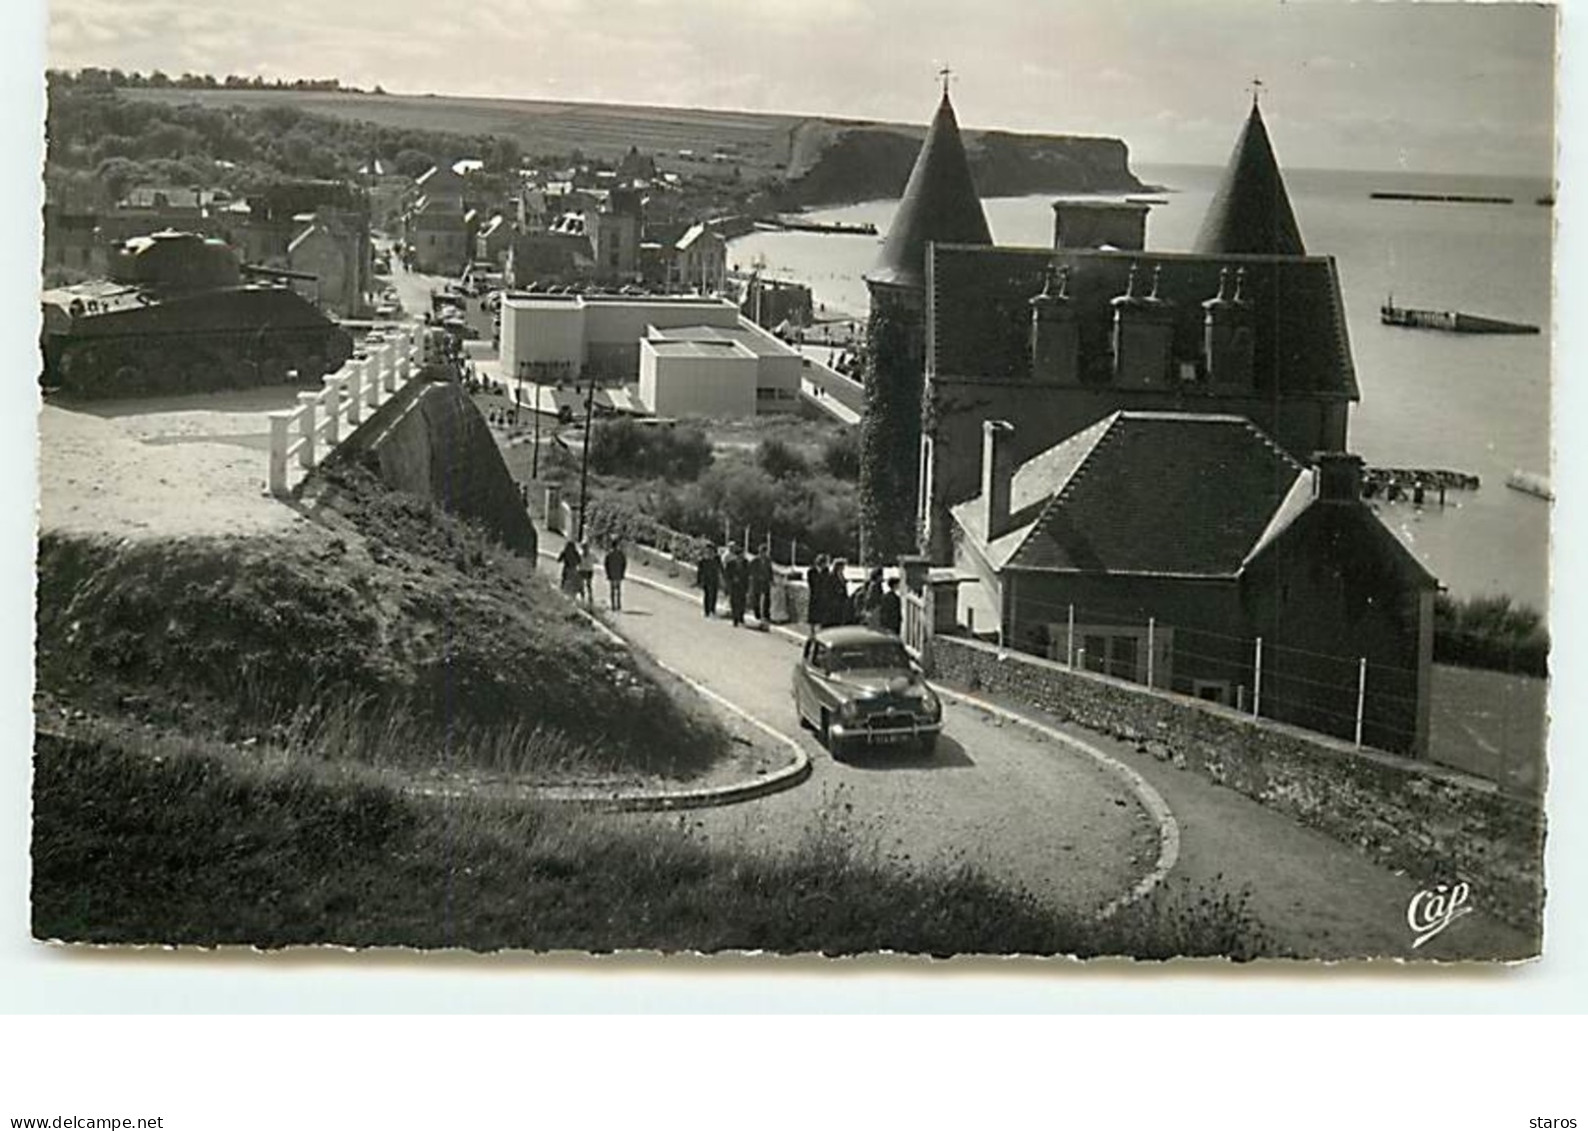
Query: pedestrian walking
[
  {"x": 890, "y": 614},
  {"x": 616, "y": 564},
  {"x": 570, "y": 560},
  {"x": 839, "y": 593},
  {"x": 587, "y": 576},
  {"x": 818, "y": 582},
  {"x": 761, "y": 586},
  {"x": 868, "y": 601},
  {"x": 736, "y": 576},
  {"x": 708, "y": 575}
]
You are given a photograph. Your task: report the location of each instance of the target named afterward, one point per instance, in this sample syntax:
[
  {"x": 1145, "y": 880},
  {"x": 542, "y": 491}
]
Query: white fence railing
[{"x": 309, "y": 433}]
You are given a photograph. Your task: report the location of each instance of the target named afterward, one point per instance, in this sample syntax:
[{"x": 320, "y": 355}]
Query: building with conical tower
[
  {"x": 1250, "y": 213},
  {"x": 939, "y": 206},
  {"x": 1136, "y": 461}
]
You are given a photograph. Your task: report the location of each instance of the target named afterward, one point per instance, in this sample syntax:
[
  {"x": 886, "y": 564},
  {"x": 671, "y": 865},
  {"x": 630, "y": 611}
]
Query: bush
[
  {"x": 781, "y": 460},
  {"x": 1490, "y": 632},
  {"x": 815, "y": 509},
  {"x": 841, "y": 455},
  {"x": 647, "y": 451}
]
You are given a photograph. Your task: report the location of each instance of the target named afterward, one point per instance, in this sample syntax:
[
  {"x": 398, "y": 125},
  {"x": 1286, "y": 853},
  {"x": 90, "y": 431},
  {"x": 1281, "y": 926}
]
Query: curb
[
  {"x": 1150, "y": 799},
  {"x": 786, "y": 778}
]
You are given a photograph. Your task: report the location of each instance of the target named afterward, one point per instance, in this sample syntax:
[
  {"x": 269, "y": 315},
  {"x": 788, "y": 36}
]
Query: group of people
[
  {"x": 578, "y": 572},
  {"x": 876, "y": 603},
  {"x": 747, "y": 579}
]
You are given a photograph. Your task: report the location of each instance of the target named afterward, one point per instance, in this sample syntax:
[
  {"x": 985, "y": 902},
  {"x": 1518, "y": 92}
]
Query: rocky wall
[
  {"x": 1436, "y": 825},
  {"x": 431, "y": 441}
]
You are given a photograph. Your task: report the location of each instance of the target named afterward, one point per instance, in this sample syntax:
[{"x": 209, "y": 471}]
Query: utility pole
[
  {"x": 584, "y": 464},
  {"x": 534, "y": 418}
]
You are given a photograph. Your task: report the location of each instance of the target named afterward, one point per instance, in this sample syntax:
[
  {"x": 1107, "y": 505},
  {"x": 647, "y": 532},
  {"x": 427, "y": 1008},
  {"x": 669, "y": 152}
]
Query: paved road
[
  {"x": 1035, "y": 812},
  {"x": 1042, "y": 817}
]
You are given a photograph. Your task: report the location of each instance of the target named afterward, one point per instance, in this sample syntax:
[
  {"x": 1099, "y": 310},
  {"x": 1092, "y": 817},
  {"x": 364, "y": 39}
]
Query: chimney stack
[
  {"x": 1339, "y": 477},
  {"x": 1084, "y": 224},
  {"x": 997, "y": 474},
  {"x": 1227, "y": 345},
  {"x": 1143, "y": 338},
  {"x": 1055, "y": 339}
]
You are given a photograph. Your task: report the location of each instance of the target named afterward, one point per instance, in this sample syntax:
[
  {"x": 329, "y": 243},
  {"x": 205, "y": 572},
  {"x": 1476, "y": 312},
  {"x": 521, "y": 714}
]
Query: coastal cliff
[{"x": 837, "y": 163}]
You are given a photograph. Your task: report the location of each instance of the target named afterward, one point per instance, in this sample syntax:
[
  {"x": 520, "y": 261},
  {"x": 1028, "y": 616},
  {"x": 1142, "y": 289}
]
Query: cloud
[{"x": 1041, "y": 65}]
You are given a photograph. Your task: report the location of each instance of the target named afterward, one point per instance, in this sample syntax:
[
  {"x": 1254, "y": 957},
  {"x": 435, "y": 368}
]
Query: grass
[
  {"x": 393, "y": 632},
  {"x": 1491, "y": 724},
  {"x": 174, "y": 841}
]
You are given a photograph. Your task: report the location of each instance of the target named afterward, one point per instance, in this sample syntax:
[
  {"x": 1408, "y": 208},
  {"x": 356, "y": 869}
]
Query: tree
[
  {"x": 504, "y": 155},
  {"x": 413, "y": 162}
]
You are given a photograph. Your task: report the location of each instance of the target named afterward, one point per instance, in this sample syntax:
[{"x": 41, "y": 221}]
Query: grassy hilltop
[{"x": 800, "y": 160}]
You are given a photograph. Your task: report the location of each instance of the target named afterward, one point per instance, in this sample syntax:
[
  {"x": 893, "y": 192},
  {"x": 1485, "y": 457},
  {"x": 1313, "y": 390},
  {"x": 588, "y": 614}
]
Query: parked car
[{"x": 858, "y": 687}]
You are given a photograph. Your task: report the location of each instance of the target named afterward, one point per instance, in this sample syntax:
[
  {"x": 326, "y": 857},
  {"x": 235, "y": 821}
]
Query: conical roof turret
[
  {"x": 939, "y": 203},
  {"x": 1250, "y": 213}
]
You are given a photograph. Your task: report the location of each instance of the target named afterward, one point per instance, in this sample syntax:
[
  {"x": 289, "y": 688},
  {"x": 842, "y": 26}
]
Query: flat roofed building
[
  {"x": 778, "y": 368},
  {"x": 596, "y": 335},
  {"x": 698, "y": 378}
]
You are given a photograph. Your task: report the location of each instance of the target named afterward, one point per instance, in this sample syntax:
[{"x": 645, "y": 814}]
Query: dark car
[{"x": 858, "y": 687}]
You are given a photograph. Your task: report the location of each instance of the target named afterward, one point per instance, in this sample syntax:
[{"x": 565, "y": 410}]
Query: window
[
  {"x": 881, "y": 656},
  {"x": 1116, "y": 650},
  {"x": 1122, "y": 657}
]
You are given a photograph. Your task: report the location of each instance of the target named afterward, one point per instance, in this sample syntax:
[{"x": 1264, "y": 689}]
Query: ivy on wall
[{"x": 890, "y": 434}]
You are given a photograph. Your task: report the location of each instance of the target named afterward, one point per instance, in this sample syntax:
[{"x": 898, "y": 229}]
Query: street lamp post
[{"x": 534, "y": 418}]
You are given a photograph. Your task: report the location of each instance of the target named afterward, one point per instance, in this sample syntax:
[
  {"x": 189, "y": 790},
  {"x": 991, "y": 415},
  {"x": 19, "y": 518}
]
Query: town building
[
  {"x": 438, "y": 238},
  {"x": 338, "y": 254},
  {"x": 614, "y": 233},
  {"x": 70, "y": 240},
  {"x": 776, "y": 302},
  {"x": 700, "y": 261},
  {"x": 1247, "y": 324},
  {"x": 545, "y": 257},
  {"x": 1147, "y": 449},
  {"x": 690, "y": 355},
  {"x": 1158, "y": 547},
  {"x": 493, "y": 241},
  {"x": 773, "y": 380},
  {"x": 697, "y": 378}
]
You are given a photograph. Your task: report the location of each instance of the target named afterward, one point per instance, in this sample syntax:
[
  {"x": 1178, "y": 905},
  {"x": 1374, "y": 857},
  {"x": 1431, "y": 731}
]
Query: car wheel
[{"x": 928, "y": 744}]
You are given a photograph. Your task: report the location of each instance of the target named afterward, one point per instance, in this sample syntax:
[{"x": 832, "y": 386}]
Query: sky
[{"x": 1423, "y": 86}]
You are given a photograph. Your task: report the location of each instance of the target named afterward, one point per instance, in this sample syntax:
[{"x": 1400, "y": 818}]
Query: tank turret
[{"x": 175, "y": 316}]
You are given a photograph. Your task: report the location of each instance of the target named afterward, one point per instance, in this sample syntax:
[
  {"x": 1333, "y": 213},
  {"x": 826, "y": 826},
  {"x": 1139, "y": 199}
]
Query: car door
[{"x": 802, "y": 682}]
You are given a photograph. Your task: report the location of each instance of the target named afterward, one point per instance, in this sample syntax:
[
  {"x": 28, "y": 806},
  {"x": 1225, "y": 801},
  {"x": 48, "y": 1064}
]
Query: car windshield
[{"x": 882, "y": 654}]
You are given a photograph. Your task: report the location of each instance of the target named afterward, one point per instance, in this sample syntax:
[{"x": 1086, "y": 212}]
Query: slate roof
[
  {"x": 939, "y": 203},
  {"x": 981, "y": 317},
  {"x": 1250, "y": 213},
  {"x": 1155, "y": 493}
]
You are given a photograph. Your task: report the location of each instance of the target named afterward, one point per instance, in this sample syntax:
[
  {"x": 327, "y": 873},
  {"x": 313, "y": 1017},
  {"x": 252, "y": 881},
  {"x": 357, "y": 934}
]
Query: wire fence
[{"x": 1368, "y": 694}]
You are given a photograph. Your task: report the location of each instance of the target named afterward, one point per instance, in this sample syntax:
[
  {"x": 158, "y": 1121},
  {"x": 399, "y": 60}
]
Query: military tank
[{"x": 179, "y": 315}]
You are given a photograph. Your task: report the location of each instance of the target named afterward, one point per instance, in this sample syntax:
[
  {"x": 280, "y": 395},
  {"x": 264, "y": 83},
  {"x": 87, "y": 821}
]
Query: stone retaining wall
[{"x": 1432, "y": 823}]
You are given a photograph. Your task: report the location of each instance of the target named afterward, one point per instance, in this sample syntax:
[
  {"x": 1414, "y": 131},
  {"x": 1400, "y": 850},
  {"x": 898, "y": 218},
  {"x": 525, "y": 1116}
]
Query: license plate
[{"x": 891, "y": 739}]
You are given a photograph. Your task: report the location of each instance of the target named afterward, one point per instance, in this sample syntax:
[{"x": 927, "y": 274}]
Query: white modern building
[
  {"x": 697, "y": 378},
  {"x": 777, "y": 367},
  {"x": 692, "y": 356},
  {"x": 598, "y": 334}
]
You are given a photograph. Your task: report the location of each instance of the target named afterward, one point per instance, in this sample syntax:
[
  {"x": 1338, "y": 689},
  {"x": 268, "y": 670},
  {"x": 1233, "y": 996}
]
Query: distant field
[{"x": 757, "y": 141}]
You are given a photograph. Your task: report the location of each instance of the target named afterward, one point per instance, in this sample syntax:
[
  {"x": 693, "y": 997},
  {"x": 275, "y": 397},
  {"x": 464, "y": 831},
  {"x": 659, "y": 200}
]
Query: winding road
[{"x": 1031, "y": 804}]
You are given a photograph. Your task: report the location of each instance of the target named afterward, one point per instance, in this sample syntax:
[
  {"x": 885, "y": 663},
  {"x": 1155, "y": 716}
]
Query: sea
[{"x": 1472, "y": 403}]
